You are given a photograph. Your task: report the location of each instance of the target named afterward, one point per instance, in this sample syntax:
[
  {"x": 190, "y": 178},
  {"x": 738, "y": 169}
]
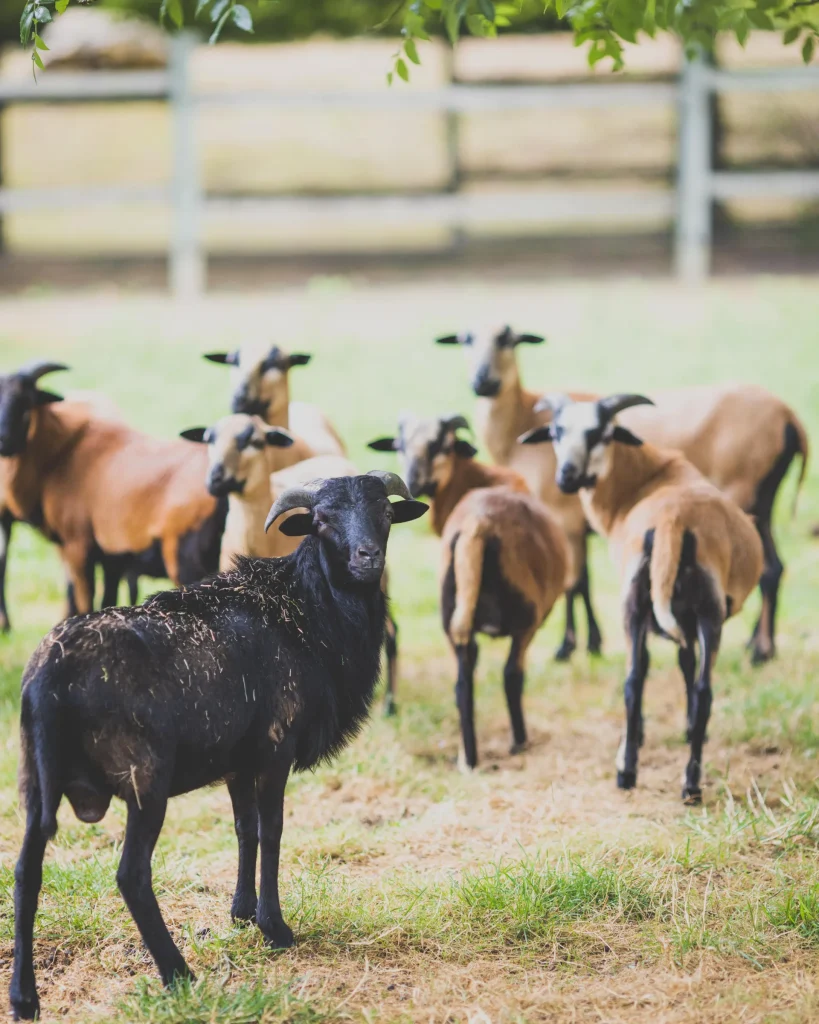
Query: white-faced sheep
[{"x": 687, "y": 555}]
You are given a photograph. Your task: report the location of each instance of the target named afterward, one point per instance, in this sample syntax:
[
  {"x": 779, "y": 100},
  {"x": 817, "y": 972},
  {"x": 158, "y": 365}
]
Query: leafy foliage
[{"x": 605, "y": 25}]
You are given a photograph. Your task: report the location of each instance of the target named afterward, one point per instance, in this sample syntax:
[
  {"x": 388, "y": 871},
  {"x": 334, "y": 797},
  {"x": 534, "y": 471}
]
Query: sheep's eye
[
  {"x": 389, "y": 514},
  {"x": 257, "y": 444}
]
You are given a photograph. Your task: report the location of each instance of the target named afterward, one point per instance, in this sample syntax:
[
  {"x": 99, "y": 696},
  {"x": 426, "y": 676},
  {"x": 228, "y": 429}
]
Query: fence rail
[{"x": 688, "y": 206}]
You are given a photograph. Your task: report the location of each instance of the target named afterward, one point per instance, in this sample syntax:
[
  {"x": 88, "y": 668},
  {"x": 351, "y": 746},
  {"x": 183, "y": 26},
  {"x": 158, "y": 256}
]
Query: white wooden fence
[{"x": 698, "y": 184}]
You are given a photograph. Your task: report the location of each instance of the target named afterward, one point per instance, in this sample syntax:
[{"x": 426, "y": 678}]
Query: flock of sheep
[{"x": 272, "y": 664}]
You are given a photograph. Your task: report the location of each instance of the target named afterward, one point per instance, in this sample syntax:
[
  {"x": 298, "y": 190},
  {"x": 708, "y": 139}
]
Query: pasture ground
[{"x": 532, "y": 890}]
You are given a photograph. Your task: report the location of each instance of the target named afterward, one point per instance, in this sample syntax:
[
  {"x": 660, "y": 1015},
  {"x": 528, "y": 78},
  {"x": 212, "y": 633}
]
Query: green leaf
[
  {"x": 561, "y": 6},
  {"x": 220, "y": 24},
  {"x": 401, "y": 69},
  {"x": 219, "y": 10},
  {"x": 38, "y": 42},
  {"x": 60, "y": 6},
  {"x": 200, "y": 6},
  {"x": 173, "y": 8},
  {"x": 792, "y": 34},
  {"x": 807, "y": 49},
  {"x": 25, "y": 24},
  {"x": 742, "y": 31},
  {"x": 242, "y": 18},
  {"x": 487, "y": 9},
  {"x": 38, "y": 60},
  {"x": 42, "y": 14},
  {"x": 389, "y": 78},
  {"x": 453, "y": 24},
  {"x": 411, "y": 51}
]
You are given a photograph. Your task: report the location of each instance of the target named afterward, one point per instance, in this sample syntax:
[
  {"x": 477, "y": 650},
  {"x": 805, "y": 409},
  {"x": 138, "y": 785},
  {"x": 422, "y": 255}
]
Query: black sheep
[{"x": 240, "y": 677}]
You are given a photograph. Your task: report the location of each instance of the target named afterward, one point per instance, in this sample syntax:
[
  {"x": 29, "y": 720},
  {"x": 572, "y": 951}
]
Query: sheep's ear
[
  {"x": 537, "y": 436},
  {"x": 194, "y": 434},
  {"x": 626, "y": 437},
  {"x": 298, "y": 359},
  {"x": 464, "y": 448},
  {"x": 278, "y": 438},
  {"x": 46, "y": 397},
  {"x": 383, "y": 444},
  {"x": 407, "y": 509},
  {"x": 300, "y": 524},
  {"x": 228, "y": 358},
  {"x": 448, "y": 339},
  {"x": 529, "y": 339}
]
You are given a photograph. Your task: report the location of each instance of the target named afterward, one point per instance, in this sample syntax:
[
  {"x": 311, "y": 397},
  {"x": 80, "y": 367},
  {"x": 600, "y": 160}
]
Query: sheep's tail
[
  {"x": 666, "y": 551},
  {"x": 467, "y": 557},
  {"x": 802, "y": 436},
  {"x": 40, "y": 736}
]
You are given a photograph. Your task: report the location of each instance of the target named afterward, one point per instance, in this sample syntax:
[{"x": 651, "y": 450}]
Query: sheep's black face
[
  {"x": 19, "y": 396},
  {"x": 352, "y": 519}
]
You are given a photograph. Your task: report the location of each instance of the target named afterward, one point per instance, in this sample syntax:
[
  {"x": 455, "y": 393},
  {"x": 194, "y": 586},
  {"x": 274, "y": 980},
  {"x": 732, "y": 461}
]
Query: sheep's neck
[
  {"x": 632, "y": 471},
  {"x": 278, "y": 411},
  {"x": 249, "y": 511},
  {"x": 501, "y": 420},
  {"x": 50, "y": 436},
  {"x": 467, "y": 475}
]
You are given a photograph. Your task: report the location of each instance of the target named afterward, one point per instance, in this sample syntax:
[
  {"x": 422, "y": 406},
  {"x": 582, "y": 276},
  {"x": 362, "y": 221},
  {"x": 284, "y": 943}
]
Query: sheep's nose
[
  {"x": 567, "y": 477},
  {"x": 368, "y": 555}
]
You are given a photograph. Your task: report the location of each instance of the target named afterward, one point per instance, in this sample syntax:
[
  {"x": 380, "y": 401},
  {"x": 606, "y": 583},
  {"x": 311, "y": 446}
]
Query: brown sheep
[
  {"x": 687, "y": 555},
  {"x": 503, "y": 557},
  {"x": 261, "y": 387},
  {"x": 101, "y": 489},
  {"x": 739, "y": 436}
]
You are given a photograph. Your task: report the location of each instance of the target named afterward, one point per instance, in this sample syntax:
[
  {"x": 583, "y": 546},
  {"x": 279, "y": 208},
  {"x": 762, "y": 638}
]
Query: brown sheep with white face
[
  {"x": 503, "y": 557},
  {"x": 687, "y": 555}
]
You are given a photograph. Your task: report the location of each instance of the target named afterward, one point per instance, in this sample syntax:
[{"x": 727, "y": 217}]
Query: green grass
[{"x": 532, "y": 890}]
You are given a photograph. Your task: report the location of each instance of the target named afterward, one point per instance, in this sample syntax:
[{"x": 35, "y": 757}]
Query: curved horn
[
  {"x": 552, "y": 402},
  {"x": 293, "y": 497},
  {"x": 455, "y": 422},
  {"x": 392, "y": 482},
  {"x": 617, "y": 403},
  {"x": 39, "y": 368}
]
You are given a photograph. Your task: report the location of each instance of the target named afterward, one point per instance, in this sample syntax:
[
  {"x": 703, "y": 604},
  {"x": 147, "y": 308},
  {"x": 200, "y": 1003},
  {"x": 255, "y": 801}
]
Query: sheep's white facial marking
[
  {"x": 581, "y": 443},
  {"x": 236, "y": 458},
  {"x": 259, "y": 382},
  {"x": 424, "y": 452}
]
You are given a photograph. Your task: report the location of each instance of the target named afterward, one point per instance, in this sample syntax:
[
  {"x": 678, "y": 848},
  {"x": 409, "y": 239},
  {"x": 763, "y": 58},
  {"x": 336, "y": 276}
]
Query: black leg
[
  {"x": 134, "y": 881},
  {"x": 111, "y": 575},
  {"x": 467, "y": 655},
  {"x": 28, "y": 879},
  {"x": 687, "y": 660},
  {"x": 6, "y": 521},
  {"x": 270, "y": 799},
  {"x": 763, "y": 640},
  {"x": 513, "y": 687},
  {"x": 582, "y": 588},
  {"x": 567, "y": 647},
  {"x": 132, "y": 579},
  {"x": 242, "y": 789},
  {"x": 709, "y": 637},
  {"x": 638, "y": 668},
  {"x": 391, "y": 647}
]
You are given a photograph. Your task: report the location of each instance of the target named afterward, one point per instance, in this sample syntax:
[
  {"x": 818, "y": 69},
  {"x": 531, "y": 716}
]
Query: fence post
[
  {"x": 693, "y": 230},
  {"x": 186, "y": 261},
  {"x": 453, "y": 149}
]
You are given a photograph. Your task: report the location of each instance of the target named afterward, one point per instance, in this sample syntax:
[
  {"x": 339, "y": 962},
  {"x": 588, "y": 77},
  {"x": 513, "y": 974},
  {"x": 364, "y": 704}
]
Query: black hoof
[
  {"x": 692, "y": 796},
  {"x": 519, "y": 748},
  {"x": 25, "y": 1008},
  {"x": 243, "y": 911},
  {"x": 626, "y": 780},
  {"x": 595, "y": 646},
  {"x": 390, "y": 707},
  {"x": 5, "y": 625},
  {"x": 759, "y": 657},
  {"x": 278, "y": 936},
  {"x": 565, "y": 651}
]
